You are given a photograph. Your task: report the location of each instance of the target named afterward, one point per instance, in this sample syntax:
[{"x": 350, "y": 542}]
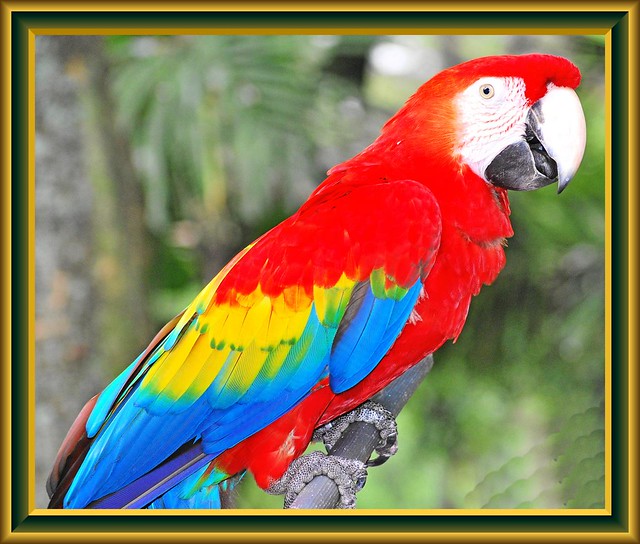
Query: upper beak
[{"x": 551, "y": 149}]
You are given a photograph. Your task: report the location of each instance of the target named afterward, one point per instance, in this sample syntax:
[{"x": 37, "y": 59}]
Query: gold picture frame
[{"x": 22, "y": 21}]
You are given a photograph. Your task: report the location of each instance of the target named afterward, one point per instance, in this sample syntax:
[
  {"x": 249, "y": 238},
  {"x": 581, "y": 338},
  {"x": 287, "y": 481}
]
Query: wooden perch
[{"x": 360, "y": 439}]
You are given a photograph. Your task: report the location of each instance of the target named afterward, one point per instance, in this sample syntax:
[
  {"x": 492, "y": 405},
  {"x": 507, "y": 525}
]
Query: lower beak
[{"x": 550, "y": 150}]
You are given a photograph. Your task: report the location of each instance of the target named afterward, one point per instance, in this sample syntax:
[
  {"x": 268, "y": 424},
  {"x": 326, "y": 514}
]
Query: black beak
[
  {"x": 525, "y": 165},
  {"x": 550, "y": 150}
]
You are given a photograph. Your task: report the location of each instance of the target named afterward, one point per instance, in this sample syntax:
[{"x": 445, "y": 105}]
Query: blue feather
[
  {"x": 369, "y": 336},
  {"x": 107, "y": 398}
]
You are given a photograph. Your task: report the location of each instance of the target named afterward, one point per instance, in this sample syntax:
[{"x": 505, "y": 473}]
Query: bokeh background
[{"x": 159, "y": 157}]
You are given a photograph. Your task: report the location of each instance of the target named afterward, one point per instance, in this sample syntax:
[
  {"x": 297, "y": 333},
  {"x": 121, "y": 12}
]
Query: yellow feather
[
  {"x": 245, "y": 372},
  {"x": 296, "y": 325},
  {"x": 279, "y": 306},
  {"x": 275, "y": 359},
  {"x": 167, "y": 366},
  {"x": 215, "y": 319},
  {"x": 210, "y": 368},
  {"x": 255, "y": 323},
  {"x": 189, "y": 368},
  {"x": 320, "y": 302},
  {"x": 230, "y": 333},
  {"x": 330, "y": 303},
  {"x": 275, "y": 329}
]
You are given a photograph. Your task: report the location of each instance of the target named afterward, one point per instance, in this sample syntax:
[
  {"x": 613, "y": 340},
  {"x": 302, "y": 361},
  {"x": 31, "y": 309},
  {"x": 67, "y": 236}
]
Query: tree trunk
[
  {"x": 65, "y": 294},
  {"x": 92, "y": 246}
]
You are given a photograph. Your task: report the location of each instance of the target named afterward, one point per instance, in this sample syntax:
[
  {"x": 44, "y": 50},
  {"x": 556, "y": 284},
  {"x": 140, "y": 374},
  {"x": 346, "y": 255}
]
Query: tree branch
[{"x": 360, "y": 439}]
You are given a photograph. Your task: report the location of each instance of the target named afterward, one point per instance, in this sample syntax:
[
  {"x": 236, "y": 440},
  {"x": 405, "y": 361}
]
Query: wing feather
[{"x": 262, "y": 334}]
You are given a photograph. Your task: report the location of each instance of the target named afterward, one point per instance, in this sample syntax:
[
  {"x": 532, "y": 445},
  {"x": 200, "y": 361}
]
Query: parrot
[{"x": 375, "y": 271}]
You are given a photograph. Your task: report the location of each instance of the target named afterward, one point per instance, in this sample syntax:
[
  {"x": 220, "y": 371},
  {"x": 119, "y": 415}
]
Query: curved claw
[{"x": 385, "y": 451}]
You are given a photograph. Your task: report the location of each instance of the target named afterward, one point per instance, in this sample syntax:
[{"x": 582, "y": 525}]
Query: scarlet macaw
[{"x": 373, "y": 272}]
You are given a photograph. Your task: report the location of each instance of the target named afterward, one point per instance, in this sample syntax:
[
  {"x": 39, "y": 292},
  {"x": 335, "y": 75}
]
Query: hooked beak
[{"x": 550, "y": 150}]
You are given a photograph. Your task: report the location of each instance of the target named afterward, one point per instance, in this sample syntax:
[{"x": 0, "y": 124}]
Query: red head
[{"x": 515, "y": 121}]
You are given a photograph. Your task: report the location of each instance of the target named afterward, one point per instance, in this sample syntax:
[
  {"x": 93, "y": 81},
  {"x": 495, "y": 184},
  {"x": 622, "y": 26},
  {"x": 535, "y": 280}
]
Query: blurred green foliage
[{"x": 229, "y": 135}]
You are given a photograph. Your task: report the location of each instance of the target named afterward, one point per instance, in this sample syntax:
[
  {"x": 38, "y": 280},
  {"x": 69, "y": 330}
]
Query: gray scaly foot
[
  {"x": 369, "y": 412},
  {"x": 349, "y": 476}
]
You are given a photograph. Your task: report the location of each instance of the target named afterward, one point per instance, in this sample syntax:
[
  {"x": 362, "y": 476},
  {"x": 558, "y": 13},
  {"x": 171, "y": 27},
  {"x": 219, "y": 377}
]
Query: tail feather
[
  {"x": 206, "y": 496},
  {"x": 77, "y": 443},
  {"x": 181, "y": 466},
  {"x": 70, "y": 456}
]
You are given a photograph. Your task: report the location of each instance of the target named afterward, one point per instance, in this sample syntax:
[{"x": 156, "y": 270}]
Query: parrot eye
[{"x": 487, "y": 91}]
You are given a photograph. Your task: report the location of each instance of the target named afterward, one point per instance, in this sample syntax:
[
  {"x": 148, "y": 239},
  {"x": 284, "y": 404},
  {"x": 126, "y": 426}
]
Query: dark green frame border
[
  {"x": 337, "y": 20},
  {"x": 22, "y": 22},
  {"x": 619, "y": 271}
]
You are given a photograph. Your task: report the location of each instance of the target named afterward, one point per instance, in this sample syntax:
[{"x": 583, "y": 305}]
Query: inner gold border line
[
  {"x": 457, "y": 512},
  {"x": 267, "y": 512},
  {"x": 31, "y": 176},
  {"x": 288, "y": 30},
  {"x": 105, "y": 31},
  {"x": 607, "y": 273}
]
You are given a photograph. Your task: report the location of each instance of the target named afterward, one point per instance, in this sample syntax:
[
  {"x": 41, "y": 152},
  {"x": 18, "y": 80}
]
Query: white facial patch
[{"x": 492, "y": 113}]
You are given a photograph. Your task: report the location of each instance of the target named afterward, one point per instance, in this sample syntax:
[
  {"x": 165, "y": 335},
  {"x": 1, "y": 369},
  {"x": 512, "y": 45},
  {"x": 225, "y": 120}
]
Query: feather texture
[{"x": 238, "y": 346}]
